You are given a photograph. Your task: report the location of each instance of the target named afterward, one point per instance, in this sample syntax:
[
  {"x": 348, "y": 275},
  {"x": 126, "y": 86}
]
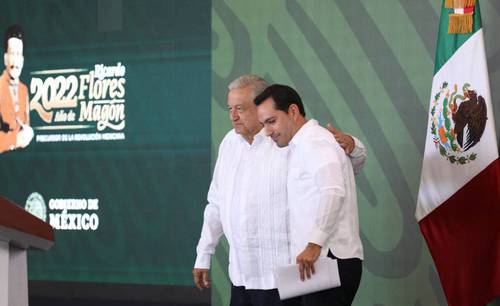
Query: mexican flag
[{"x": 458, "y": 207}]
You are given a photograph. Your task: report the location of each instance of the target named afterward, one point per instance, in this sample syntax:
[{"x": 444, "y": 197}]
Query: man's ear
[{"x": 293, "y": 110}]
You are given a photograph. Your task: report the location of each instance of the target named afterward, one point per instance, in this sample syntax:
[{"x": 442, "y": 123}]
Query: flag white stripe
[{"x": 440, "y": 179}]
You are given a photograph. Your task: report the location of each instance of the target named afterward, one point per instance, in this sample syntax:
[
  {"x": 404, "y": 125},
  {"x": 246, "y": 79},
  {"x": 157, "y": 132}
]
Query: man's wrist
[
  {"x": 312, "y": 245},
  {"x": 353, "y": 143},
  {"x": 202, "y": 261}
]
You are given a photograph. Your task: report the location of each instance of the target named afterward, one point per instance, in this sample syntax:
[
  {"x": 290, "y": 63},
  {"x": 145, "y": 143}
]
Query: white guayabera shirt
[
  {"x": 247, "y": 202},
  {"x": 322, "y": 194}
]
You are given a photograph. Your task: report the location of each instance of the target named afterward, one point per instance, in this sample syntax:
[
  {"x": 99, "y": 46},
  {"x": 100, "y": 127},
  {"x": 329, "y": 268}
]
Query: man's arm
[
  {"x": 326, "y": 166},
  {"x": 352, "y": 146},
  {"x": 7, "y": 136},
  {"x": 26, "y": 133},
  {"x": 210, "y": 233}
]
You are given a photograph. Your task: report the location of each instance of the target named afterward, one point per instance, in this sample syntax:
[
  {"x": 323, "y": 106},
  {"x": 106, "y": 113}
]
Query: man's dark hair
[
  {"x": 15, "y": 31},
  {"x": 283, "y": 97}
]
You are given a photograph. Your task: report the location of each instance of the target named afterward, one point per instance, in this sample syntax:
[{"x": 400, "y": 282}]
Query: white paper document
[{"x": 288, "y": 281}]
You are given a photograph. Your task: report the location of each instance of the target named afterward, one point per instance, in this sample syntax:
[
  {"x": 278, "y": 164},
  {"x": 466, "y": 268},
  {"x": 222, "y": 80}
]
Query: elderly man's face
[
  {"x": 243, "y": 112},
  {"x": 13, "y": 58}
]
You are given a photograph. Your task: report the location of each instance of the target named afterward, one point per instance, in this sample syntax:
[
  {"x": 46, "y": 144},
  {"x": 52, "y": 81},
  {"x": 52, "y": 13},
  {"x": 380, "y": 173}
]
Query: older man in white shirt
[
  {"x": 247, "y": 202},
  {"x": 321, "y": 194}
]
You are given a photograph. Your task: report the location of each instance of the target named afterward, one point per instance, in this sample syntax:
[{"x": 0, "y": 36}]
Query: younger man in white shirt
[{"x": 321, "y": 193}]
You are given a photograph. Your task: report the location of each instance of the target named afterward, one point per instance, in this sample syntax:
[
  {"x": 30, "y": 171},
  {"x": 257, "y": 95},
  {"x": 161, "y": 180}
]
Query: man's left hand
[
  {"x": 306, "y": 260},
  {"x": 344, "y": 140}
]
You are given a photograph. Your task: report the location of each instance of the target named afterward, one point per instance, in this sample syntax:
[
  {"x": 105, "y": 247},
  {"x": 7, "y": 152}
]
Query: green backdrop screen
[{"x": 120, "y": 161}]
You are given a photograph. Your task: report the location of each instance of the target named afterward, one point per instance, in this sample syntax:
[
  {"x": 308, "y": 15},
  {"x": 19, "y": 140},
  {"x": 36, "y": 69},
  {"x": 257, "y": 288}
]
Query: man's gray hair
[{"x": 258, "y": 83}]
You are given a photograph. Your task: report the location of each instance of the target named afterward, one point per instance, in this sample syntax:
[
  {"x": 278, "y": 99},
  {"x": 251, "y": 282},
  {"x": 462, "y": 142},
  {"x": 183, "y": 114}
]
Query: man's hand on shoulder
[
  {"x": 201, "y": 278},
  {"x": 344, "y": 140}
]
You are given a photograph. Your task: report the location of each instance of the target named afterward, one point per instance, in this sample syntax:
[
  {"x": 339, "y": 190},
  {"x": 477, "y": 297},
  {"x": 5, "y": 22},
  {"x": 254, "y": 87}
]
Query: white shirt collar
[
  {"x": 261, "y": 135},
  {"x": 297, "y": 138}
]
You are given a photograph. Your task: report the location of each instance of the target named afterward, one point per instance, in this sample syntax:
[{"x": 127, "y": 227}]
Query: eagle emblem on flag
[{"x": 458, "y": 121}]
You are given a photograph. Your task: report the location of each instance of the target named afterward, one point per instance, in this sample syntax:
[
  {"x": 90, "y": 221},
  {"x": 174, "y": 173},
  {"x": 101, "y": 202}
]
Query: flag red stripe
[
  {"x": 468, "y": 9},
  {"x": 463, "y": 235}
]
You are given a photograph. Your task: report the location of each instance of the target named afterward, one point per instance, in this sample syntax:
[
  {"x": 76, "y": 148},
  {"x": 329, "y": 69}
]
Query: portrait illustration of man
[{"x": 15, "y": 131}]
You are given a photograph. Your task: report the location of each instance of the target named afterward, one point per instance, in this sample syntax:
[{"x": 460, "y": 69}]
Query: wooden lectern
[{"x": 19, "y": 231}]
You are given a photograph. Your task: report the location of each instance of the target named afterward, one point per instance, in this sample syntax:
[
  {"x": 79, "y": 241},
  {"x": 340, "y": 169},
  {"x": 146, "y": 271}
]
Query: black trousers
[
  {"x": 350, "y": 276},
  {"x": 254, "y": 297}
]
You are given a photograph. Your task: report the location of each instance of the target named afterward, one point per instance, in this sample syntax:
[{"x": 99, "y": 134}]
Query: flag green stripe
[{"x": 447, "y": 44}]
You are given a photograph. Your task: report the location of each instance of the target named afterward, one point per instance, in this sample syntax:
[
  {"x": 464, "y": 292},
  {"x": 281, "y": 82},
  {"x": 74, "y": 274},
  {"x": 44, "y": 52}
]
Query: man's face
[
  {"x": 243, "y": 112},
  {"x": 14, "y": 58},
  {"x": 277, "y": 124}
]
